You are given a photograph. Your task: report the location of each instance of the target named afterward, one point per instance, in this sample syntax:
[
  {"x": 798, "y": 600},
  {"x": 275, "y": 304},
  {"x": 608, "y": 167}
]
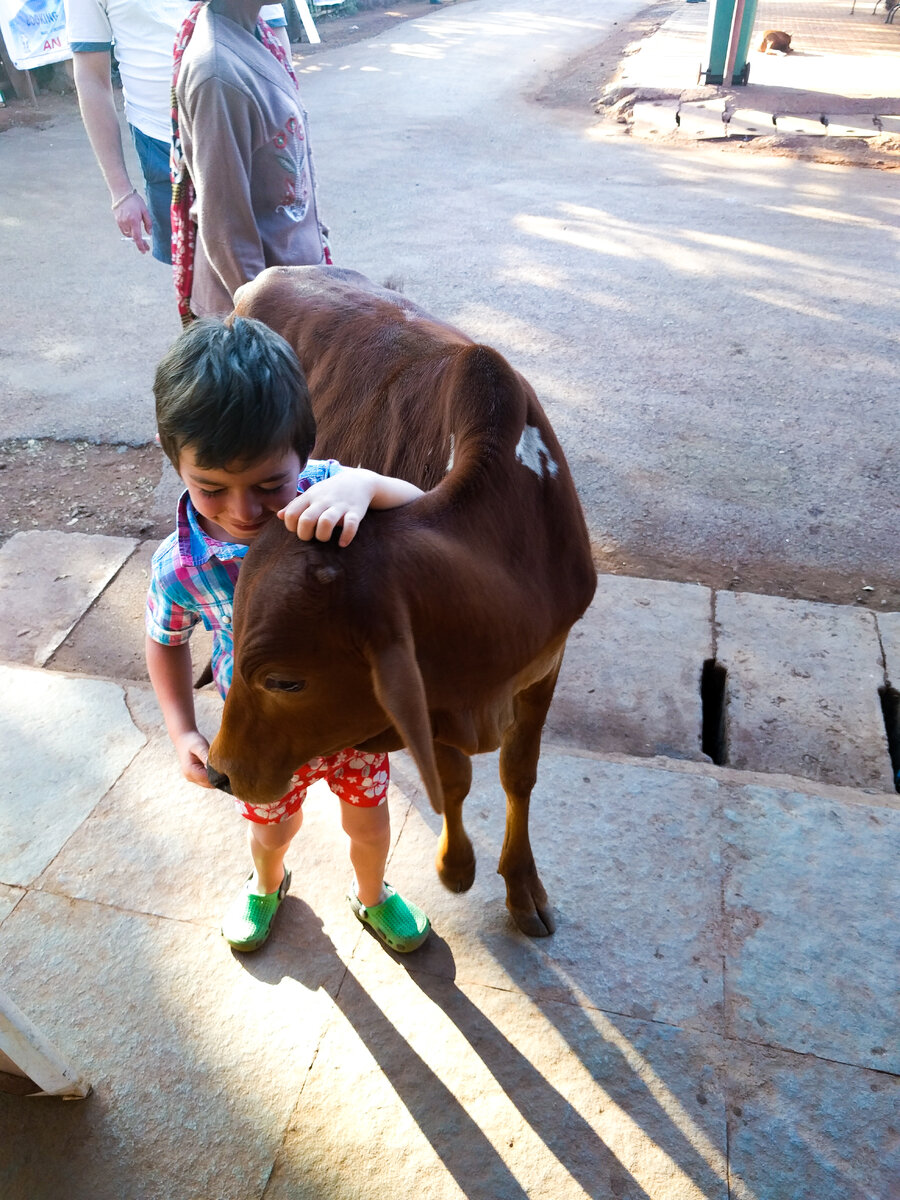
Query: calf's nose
[{"x": 222, "y": 782}]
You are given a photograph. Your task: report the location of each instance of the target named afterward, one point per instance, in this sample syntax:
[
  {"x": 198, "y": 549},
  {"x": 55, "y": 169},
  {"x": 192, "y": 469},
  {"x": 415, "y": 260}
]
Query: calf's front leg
[{"x": 455, "y": 859}]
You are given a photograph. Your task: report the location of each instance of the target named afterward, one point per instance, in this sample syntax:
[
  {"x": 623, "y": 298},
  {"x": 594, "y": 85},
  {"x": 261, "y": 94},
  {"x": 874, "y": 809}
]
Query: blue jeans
[{"x": 154, "y": 159}]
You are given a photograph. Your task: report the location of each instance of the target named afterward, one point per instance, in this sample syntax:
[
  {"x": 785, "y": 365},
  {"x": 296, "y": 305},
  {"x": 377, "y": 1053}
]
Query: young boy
[{"x": 235, "y": 420}]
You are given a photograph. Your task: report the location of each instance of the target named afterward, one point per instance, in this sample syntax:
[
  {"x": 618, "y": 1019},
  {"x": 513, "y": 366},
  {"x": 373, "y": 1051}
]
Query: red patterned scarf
[{"x": 184, "y": 230}]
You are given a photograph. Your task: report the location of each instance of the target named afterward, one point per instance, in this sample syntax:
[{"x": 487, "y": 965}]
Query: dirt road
[{"x": 712, "y": 334}]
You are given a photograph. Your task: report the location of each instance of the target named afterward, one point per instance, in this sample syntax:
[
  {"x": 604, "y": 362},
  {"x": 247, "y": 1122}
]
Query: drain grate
[
  {"x": 713, "y": 741},
  {"x": 890, "y": 711}
]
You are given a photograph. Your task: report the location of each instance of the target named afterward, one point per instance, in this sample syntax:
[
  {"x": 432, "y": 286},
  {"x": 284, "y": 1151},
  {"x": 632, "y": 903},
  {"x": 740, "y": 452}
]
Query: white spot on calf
[
  {"x": 452, "y": 453},
  {"x": 533, "y": 454}
]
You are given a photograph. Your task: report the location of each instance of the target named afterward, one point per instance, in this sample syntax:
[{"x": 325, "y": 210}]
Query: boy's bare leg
[
  {"x": 268, "y": 846},
  {"x": 369, "y": 831}
]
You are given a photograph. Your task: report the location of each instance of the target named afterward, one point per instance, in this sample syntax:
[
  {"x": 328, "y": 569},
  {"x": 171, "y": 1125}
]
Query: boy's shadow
[
  {"x": 464, "y": 1149},
  {"x": 299, "y": 948},
  {"x": 479, "y": 1171}
]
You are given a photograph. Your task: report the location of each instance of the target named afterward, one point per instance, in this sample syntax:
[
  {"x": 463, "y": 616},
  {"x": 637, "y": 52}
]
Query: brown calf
[{"x": 442, "y": 626}]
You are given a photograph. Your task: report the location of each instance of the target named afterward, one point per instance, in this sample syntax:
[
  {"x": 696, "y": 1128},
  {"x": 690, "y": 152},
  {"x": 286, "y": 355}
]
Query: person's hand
[
  {"x": 342, "y": 499},
  {"x": 133, "y": 220},
  {"x": 192, "y": 749}
]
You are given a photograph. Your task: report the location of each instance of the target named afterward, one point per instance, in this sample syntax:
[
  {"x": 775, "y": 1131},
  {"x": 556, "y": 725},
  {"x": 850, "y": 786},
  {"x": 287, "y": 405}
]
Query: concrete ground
[{"x": 716, "y": 1016}]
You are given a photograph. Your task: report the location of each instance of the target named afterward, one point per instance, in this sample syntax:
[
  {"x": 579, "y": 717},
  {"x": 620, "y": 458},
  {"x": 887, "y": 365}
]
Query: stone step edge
[
  {"x": 673, "y": 107},
  {"x": 733, "y": 776}
]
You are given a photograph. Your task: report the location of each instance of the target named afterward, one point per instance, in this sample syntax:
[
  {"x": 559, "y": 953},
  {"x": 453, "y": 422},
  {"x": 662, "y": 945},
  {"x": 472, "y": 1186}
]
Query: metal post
[
  {"x": 718, "y": 30},
  {"x": 734, "y": 38},
  {"x": 742, "y": 64},
  {"x": 26, "y": 1048}
]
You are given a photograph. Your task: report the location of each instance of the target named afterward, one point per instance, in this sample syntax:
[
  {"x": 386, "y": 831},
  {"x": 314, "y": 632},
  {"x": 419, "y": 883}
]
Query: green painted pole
[
  {"x": 719, "y": 40},
  {"x": 718, "y": 32},
  {"x": 742, "y": 61},
  {"x": 733, "y": 39}
]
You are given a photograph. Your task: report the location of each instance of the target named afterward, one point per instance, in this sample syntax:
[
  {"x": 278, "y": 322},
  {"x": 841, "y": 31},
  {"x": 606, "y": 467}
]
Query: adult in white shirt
[{"x": 143, "y": 32}]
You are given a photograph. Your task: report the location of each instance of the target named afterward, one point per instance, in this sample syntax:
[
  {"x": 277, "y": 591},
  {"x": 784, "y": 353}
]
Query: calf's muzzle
[{"x": 222, "y": 782}]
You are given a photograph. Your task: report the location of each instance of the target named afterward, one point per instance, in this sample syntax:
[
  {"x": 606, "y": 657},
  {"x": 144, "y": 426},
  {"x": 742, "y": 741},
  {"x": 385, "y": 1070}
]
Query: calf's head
[{"x": 324, "y": 660}]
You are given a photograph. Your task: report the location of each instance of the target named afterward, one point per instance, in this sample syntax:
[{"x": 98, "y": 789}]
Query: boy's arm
[
  {"x": 170, "y": 673},
  {"x": 344, "y": 499}
]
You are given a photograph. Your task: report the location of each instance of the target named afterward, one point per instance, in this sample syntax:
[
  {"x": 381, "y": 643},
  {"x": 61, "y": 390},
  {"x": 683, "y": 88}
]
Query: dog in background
[{"x": 775, "y": 41}]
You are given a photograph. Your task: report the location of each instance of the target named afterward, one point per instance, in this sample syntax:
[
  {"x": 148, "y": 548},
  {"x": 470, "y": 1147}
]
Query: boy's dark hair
[{"x": 234, "y": 391}]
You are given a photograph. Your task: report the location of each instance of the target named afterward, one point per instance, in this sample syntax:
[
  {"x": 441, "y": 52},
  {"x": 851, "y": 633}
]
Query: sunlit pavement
[
  {"x": 835, "y": 53},
  {"x": 716, "y": 1015}
]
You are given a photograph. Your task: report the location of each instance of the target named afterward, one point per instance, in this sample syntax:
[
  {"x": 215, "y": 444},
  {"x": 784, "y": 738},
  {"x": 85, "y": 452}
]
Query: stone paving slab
[
  {"x": 813, "y": 950},
  {"x": 803, "y": 689},
  {"x": 633, "y": 934},
  {"x": 109, "y": 637},
  {"x": 195, "y": 1058},
  {"x": 9, "y": 898},
  {"x": 889, "y": 632},
  {"x": 126, "y": 855},
  {"x": 790, "y": 123},
  {"x": 154, "y": 836},
  {"x": 63, "y": 744},
  {"x": 47, "y": 580},
  {"x": 653, "y": 117},
  {"x": 800, "y": 1128},
  {"x": 595, "y": 1062},
  {"x": 672, "y": 57},
  {"x": 630, "y": 680},
  {"x": 745, "y": 122},
  {"x": 851, "y": 126},
  {"x": 702, "y": 119}
]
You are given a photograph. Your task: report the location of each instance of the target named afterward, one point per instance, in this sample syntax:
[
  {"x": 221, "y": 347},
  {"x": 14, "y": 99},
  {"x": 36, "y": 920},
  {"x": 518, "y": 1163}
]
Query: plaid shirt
[{"x": 193, "y": 576}]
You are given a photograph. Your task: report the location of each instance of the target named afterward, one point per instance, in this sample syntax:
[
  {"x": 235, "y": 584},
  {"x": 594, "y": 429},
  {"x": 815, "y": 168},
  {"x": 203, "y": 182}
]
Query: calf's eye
[{"x": 273, "y": 684}]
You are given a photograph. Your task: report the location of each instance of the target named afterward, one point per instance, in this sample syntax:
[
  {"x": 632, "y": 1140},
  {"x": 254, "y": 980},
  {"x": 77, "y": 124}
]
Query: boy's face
[{"x": 235, "y": 502}]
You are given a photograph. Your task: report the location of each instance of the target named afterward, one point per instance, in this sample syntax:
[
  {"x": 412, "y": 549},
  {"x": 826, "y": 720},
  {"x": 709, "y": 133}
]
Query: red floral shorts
[{"x": 355, "y": 776}]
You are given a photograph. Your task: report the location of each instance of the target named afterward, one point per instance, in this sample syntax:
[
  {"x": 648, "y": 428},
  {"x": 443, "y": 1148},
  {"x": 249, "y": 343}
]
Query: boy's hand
[
  {"x": 192, "y": 749},
  {"x": 342, "y": 499}
]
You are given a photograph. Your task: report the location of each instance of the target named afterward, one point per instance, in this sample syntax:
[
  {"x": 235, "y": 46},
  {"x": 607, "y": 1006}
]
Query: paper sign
[{"x": 34, "y": 32}]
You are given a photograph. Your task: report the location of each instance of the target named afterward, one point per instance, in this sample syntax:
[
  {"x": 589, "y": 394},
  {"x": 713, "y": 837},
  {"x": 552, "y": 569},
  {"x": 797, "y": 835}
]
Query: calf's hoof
[
  {"x": 528, "y": 904},
  {"x": 455, "y": 860},
  {"x": 456, "y": 876},
  {"x": 536, "y": 922}
]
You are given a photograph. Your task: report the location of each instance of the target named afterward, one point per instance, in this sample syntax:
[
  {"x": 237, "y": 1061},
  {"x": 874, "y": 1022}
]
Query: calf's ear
[{"x": 401, "y": 693}]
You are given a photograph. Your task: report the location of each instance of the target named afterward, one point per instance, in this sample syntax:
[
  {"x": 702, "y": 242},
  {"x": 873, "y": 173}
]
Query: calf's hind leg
[
  {"x": 455, "y": 859},
  {"x": 519, "y": 753}
]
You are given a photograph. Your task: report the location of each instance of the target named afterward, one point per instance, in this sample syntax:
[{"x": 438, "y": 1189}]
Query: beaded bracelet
[{"x": 122, "y": 200}]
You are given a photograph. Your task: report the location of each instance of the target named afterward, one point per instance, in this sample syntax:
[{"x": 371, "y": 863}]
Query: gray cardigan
[{"x": 245, "y": 143}]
